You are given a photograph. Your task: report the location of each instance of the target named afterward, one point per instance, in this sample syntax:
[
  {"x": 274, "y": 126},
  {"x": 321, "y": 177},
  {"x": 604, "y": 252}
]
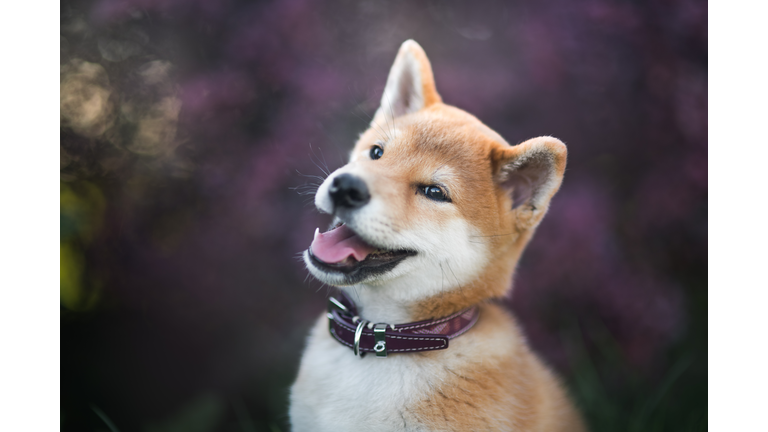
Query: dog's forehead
[
  {"x": 439, "y": 139},
  {"x": 443, "y": 144}
]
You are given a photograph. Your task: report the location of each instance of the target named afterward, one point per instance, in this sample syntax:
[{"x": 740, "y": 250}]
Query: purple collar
[{"x": 363, "y": 336}]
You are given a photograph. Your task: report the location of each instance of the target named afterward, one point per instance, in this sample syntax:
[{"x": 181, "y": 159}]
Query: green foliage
[
  {"x": 202, "y": 414},
  {"x": 614, "y": 395},
  {"x": 82, "y": 207}
]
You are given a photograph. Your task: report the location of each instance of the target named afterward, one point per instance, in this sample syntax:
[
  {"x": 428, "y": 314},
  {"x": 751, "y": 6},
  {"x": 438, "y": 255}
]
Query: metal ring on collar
[{"x": 358, "y": 333}]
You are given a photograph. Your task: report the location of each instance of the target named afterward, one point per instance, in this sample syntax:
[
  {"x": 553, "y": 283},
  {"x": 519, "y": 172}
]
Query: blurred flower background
[{"x": 187, "y": 127}]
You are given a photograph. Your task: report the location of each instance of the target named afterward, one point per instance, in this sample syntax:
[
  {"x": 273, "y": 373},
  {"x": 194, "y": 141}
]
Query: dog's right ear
[{"x": 410, "y": 85}]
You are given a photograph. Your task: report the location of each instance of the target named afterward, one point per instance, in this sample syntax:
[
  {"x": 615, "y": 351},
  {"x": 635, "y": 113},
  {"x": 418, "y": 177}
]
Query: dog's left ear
[
  {"x": 410, "y": 84},
  {"x": 531, "y": 173}
]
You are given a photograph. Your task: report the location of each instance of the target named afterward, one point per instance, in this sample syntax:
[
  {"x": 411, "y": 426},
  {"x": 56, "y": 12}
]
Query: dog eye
[
  {"x": 436, "y": 193},
  {"x": 376, "y": 152}
]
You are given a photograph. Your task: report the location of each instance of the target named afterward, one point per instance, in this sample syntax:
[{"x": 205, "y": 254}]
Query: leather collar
[{"x": 363, "y": 336}]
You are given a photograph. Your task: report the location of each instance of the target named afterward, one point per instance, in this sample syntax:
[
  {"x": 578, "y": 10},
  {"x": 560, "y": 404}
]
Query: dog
[{"x": 431, "y": 215}]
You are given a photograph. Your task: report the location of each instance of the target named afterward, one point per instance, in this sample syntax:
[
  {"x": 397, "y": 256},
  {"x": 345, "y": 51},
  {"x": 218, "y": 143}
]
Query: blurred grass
[
  {"x": 105, "y": 418},
  {"x": 614, "y": 395},
  {"x": 202, "y": 414}
]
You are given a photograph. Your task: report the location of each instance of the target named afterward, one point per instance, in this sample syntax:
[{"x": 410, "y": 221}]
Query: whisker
[
  {"x": 454, "y": 274},
  {"x": 341, "y": 156},
  {"x": 317, "y": 164},
  {"x": 322, "y": 179},
  {"x": 324, "y": 162},
  {"x": 496, "y": 235},
  {"x": 376, "y": 127},
  {"x": 307, "y": 189},
  {"x": 442, "y": 277},
  {"x": 380, "y": 130},
  {"x": 395, "y": 227},
  {"x": 303, "y": 185},
  {"x": 392, "y": 113},
  {"x": 325, "y": 171}
]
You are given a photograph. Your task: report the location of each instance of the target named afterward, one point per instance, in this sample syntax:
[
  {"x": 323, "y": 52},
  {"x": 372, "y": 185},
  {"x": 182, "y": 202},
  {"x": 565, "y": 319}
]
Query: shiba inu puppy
[{"x": 431, "y": 215}]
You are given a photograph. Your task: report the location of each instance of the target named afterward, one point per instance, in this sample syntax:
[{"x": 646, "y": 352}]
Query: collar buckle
[{"x": 380, "y": 336}]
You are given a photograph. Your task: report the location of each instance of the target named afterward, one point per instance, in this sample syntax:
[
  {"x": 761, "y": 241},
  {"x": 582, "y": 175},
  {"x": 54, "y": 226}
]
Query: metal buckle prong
[
  {"x": 358, "y": 333},
  {"x": 380, "y": 336},
  {"x": 332, "y": 302}
]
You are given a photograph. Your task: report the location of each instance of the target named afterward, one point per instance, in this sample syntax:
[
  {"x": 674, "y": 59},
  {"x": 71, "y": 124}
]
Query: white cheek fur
[{"x": 447, "y": 259}]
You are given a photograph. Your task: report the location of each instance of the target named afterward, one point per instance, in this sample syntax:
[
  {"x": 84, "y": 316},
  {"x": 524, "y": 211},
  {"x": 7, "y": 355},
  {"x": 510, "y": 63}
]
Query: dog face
[{"x": 431, "y": 198}]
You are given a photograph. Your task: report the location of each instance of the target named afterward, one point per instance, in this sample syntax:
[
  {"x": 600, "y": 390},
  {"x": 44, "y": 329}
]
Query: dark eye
[
  {"x": 436, "y": 193},
  {"x": 376, "y": 152}
]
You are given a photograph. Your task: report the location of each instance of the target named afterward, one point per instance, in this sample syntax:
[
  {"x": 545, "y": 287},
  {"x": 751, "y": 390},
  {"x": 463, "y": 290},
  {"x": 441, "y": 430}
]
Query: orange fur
[{"x": 510, "y": 390}]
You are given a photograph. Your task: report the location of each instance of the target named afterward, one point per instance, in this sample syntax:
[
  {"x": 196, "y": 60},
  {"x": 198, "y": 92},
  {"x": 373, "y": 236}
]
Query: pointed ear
[
  {"x": 531, "y": 173},
  {"x": 410, "y": 85}
]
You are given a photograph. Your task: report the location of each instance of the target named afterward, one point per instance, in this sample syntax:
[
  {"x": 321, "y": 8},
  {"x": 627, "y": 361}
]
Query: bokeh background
[{"x": 192, "y": 129}]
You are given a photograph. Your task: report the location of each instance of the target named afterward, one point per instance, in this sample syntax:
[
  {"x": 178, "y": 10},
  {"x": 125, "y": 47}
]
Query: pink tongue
[{"x": 337, "y": 244}]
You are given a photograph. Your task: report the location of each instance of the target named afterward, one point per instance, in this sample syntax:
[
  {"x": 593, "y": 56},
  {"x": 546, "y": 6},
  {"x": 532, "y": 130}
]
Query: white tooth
[{"x": 317, "y": 233}]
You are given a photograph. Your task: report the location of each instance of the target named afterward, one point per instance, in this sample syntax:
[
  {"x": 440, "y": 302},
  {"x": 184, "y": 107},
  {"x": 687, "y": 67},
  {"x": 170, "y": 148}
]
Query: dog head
[{"x": 432, "y": 201}]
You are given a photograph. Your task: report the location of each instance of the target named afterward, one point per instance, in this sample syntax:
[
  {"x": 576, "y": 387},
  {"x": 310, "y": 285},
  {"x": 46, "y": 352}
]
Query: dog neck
[
  {"x": 398, "y": 302},
  {"x": 378, "y": 304}
]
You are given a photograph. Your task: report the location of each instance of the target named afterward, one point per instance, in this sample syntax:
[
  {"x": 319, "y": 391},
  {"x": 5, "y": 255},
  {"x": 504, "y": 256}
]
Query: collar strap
[{"x": 363, "y": 336}]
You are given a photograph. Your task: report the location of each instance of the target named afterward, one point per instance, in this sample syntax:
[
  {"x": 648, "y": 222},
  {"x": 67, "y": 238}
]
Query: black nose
[{"x": 348, "y": 191}]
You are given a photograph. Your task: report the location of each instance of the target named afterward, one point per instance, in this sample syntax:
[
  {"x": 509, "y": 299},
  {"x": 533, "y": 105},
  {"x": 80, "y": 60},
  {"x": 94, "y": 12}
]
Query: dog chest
[{"x": 337, "y": 391}]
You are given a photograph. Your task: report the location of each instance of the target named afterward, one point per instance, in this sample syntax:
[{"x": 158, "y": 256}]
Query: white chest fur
[{"x": 337, "y": 391}]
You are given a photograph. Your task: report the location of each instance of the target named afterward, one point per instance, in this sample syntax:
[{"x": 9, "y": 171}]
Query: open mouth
[{"x": 341, "y": 250}]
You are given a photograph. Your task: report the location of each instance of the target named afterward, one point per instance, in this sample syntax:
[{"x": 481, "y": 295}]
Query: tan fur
[
  {"x": 488, "y": 379},
  {"x": 510, "y": 390}
]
